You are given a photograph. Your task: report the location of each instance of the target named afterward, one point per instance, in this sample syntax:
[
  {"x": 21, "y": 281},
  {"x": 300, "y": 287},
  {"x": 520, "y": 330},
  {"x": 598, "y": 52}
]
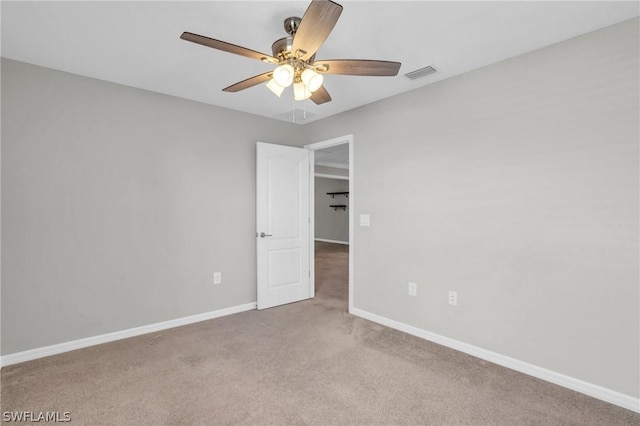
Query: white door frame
[{"x": 314, "y": 147}]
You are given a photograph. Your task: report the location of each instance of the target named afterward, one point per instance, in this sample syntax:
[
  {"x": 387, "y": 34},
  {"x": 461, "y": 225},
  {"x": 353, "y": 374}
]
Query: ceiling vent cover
[{"x": 419, "y": 73}]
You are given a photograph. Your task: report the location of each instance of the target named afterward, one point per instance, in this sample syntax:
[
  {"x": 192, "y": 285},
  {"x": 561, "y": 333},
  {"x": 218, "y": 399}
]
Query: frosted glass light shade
[
  {"x": 275, "y": 87},
  {"x": 300, "y": 92},
  {"x": 283, "y": 75},
  {"x": 311, "y": 79}
]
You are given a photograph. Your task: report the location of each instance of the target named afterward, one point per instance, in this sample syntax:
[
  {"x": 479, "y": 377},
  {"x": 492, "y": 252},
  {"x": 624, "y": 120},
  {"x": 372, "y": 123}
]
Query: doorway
[{"x": 332, "y": 198}]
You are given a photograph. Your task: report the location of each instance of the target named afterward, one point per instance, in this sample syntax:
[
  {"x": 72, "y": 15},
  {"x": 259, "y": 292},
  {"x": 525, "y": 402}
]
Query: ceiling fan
[{"x": 295, "y": 56}]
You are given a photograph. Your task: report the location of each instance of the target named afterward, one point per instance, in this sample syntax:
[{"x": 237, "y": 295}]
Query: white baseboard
[
  {"x": 118, "y": 335},
  {"x": 331, "y": 241},
  {"x": 577, "y": 385}
]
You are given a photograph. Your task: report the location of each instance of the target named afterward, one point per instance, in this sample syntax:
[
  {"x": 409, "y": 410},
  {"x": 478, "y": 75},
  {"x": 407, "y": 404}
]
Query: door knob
[{"x": 262, "y": 235}]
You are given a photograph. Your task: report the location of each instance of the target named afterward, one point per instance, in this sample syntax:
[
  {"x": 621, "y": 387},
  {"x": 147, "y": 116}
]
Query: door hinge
[{"x": 309, "y": 274}]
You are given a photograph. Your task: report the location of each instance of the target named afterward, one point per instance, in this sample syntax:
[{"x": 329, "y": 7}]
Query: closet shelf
[
  {"x": 338, "y": 206},
  {"x": 333, "y": 194}
]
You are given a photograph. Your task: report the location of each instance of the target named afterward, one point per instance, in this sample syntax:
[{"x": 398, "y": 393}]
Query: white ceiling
[{"x": 137, "y": 43}]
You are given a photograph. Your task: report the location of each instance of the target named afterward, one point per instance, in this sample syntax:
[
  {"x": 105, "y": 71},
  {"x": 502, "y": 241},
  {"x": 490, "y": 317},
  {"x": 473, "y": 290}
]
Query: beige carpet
[{"x": 304, "y": 363}]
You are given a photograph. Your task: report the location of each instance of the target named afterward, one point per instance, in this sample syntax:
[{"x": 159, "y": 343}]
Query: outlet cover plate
[
  {"x": 413, "y": 289},
  {"x": 453, "y": 298}
]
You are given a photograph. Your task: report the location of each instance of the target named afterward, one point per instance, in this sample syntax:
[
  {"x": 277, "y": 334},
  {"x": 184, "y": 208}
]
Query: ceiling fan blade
[
  {"x": 357, "y": 67},
  {"x": 320, "y": 96},
  {"x": 249, "y": 82},
  {"x": 316, "y": 25},
  {"x": 227, "y": 47}
]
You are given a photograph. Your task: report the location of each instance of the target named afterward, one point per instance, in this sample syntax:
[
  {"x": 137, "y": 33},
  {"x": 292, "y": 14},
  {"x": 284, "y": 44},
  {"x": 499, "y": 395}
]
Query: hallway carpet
[{"x": 304, "y": 363}]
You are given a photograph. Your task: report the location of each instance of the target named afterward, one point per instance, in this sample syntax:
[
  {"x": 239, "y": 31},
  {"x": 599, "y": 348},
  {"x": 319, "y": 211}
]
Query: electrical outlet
[
  {"x": 217, "y": 277},
  {"x": 453, "y": 297},
  {"x": 413, "y": 289}
]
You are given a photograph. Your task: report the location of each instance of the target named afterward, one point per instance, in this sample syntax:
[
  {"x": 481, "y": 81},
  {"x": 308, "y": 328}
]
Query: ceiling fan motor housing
[{"x": 281, "y": 49}]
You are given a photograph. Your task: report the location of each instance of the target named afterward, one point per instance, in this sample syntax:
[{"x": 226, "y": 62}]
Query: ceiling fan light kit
[
  {"x": 283, "y": 75},
  {"x": 300, "y": 91},
  {"x": 295, "y": 56},
  {"x": 311, "y": 79},
  {"x": 275, "y": 87}
]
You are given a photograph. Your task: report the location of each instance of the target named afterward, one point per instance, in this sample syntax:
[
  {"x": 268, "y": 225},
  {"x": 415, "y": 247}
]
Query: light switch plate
[{"x": 364, "y": 220}]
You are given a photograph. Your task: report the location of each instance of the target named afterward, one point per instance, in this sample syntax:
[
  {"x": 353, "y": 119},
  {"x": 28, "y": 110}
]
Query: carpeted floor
[{"x": 304, "y": 363}]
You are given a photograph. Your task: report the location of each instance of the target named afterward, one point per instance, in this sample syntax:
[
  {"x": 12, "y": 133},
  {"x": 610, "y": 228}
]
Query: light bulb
[
  {"x": 300, "y": 92},
  {"x": 311, "y": 79},
  {"x": 275, "y": 87},
  {"x": 283, "y": 75}
]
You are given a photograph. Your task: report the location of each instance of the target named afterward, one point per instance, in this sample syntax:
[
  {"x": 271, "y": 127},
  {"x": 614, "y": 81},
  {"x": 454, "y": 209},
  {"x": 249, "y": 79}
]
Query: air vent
[{"x": 419, "y": 73}]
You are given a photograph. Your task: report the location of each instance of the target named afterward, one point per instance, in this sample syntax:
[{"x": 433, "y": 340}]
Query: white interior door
[{"x": 282, "y": 224}]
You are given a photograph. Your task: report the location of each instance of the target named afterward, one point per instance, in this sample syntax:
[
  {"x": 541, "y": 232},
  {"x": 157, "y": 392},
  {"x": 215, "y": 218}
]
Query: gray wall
[
  {"x": 516, "y": 185},
  {"x": 331, "y": 224},
  {"x": 119, "y": 204}
]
